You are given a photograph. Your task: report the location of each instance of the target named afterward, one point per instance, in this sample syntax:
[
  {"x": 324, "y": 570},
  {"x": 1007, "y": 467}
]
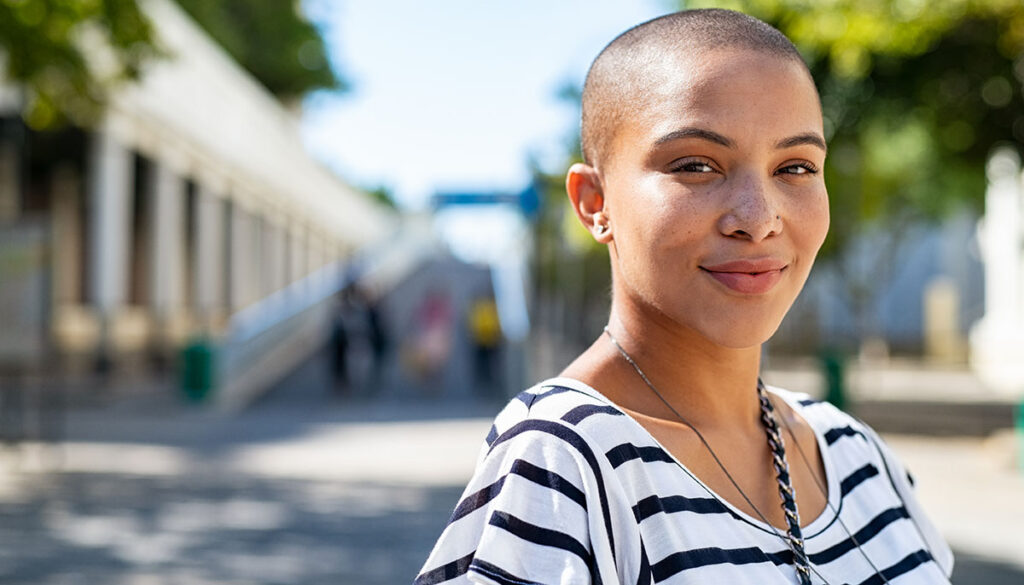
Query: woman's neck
[{"x": 709, "y": 384}]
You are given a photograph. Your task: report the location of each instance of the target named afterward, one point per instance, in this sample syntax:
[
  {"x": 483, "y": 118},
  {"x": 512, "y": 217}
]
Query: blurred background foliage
[
  {"x": 272, "y": 40},
  {"x": 43, "y": 45},
  {"x": 915, "y": 94}
]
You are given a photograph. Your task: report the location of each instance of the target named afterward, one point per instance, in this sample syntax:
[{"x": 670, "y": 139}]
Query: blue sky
[{"x": 454, "y": 94}]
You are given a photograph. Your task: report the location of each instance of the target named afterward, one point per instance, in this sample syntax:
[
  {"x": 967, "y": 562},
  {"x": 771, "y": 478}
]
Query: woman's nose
[{"x": 750, "y": 211}]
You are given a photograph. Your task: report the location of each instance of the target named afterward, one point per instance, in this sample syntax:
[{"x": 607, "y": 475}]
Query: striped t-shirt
[{"x": 569, "y": 489}]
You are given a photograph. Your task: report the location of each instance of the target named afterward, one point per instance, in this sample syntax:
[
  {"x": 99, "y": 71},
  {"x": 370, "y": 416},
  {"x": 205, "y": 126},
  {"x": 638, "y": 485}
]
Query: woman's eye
[
  {"x": 799, "y": 169},
  {"x": 694, "y": 167}
]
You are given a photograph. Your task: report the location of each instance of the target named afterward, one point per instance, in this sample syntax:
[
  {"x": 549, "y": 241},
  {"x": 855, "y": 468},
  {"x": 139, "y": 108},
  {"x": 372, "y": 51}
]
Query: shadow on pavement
[
  {"x": 303, "y": 400},
  {"x": 974, "y": 570},
  {"x": 88, "y": 528},
  {"x": 63, "y": 529}
]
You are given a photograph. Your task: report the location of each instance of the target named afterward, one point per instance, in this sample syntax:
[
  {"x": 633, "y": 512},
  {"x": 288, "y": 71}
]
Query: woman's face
[{"x": 715, "y": 195}]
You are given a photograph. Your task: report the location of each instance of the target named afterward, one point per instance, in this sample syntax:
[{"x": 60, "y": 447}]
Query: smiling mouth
[{"x": 751, "y": 283}]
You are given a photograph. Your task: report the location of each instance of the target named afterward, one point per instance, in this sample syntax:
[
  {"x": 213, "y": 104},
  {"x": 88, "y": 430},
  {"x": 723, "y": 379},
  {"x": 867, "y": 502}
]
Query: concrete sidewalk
[
  {"x": 908, "y": 397},
  {"x": 305, "y": 487},
  {"x": 340, "y": 492}
]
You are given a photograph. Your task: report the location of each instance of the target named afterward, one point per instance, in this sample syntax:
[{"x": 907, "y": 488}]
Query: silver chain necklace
[{"x": 793, "y": 537}]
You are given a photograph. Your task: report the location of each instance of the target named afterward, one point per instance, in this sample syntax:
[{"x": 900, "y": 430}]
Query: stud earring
[{"x": 601, "y": 229}]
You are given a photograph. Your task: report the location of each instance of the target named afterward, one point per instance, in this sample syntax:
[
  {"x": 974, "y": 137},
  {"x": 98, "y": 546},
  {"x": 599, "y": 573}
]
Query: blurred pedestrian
[
  {"x": 377, "y": 339},
  {"x": 485, "y": 334},
  {"x": 431, "y": 342},
  {"x": 339, "y": 349}
]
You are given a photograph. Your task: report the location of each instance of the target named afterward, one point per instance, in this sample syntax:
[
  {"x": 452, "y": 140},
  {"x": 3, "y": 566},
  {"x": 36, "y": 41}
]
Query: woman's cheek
[{"x": 810, "y": 217}]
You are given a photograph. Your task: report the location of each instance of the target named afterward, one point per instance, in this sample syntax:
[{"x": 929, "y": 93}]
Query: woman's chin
[{"x": 752, "y": 333}]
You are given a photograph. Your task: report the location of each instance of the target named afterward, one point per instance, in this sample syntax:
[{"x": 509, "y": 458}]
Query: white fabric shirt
[{"x": 570, "y": 489}]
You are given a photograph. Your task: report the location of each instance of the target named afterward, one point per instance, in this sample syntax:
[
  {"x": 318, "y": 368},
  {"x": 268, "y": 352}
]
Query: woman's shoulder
[
  {"x": 527, "y": 511},
  {"x": 562, "y": 409}
]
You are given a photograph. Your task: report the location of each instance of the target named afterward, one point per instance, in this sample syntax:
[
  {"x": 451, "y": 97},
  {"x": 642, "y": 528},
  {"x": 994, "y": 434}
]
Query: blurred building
[
  {"x": 920, "y": 292},
  {"x": 192, "y": 209}
]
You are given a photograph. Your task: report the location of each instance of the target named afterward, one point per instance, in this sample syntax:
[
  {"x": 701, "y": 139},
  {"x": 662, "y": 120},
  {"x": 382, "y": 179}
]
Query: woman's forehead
[{"x": 723, "y": 90}]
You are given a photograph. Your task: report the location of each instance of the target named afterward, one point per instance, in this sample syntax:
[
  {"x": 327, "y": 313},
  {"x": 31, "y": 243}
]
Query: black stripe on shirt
[
  {"x": 581, "y": 412},
  {"x": 577, "y": 442},
  {"x": 628, "y": 451},
  {"x": 865, "y": 534},
  {"x": 538, "y": 475},
  {"x": 477, "y": 499},
  {"x": 529, "y": 398},
  {"x": 526, "y": 397},
  {"x": 644, "y": 573},
  {"x": 540, "y": 535},
  {"x": 856, "y": 478},
  {"x": 702, "y": 557},
  {"x": 493, "y": 434},
  {"x": 549, "y": 479},
  {"x": 783, "y": 557},
  {"x": 499, "y": 575},
  {"x": 652, "y": 505},
  {"x": 454, "y": 569},
  {"x": 908, "y": 564},
  {"x": 808, "y": 402},
  {"x": 837, "y": 433}
]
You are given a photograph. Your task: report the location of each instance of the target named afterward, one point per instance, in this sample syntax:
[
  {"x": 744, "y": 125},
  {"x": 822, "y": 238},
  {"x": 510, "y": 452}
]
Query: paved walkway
[
  {"x": 345, "y": 494},
  {"x": 303, "y": 488}
]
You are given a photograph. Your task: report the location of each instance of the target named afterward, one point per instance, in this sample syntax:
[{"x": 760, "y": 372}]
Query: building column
[
  {"x": 111, "y": 173},
  {"x": 239, "y": 245},
  {"x": 268, "y": 258},
  {"x": 316, "y": 254},
  {"x": 208, "y": 256},
  {"x": 67, "y": 236},
  {"x": 287, "y": 242},
  {"x": 280, "y": 256},
  {"x": 10, "y": 169},
  {"x": 299, "y": 252},
  {"x": 166, "y": 275},
  {"x": 257, "y": 258}
]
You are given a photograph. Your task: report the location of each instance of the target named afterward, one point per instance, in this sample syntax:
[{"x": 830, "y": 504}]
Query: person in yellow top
[{"x": 485, "y": 333}]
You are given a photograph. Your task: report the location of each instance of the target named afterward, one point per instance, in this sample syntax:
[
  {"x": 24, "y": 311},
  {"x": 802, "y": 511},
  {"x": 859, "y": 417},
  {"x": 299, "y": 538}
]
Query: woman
[{"x": 658, "y": 455}]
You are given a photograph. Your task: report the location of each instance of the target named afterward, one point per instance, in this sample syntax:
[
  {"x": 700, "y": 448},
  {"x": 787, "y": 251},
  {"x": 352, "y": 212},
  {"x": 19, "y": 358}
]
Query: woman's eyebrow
[
  {"x": 805, "y": 138},
  {"x": 693, "y": 132},
  {"x": 712, "y": 136}
]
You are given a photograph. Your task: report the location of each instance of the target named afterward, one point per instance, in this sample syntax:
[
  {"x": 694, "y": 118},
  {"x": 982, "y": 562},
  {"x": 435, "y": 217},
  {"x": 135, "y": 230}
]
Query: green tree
[
  {"x": 382, "y": 194},
  {"x": 43, "y": 45},
  {"x": 571, "y": 272},
  {"x": 272, "y": 40},
  {"x": 41, "y": 50}
]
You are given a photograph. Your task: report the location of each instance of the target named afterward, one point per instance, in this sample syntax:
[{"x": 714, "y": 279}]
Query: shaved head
[{"x": 631, "y": 65}]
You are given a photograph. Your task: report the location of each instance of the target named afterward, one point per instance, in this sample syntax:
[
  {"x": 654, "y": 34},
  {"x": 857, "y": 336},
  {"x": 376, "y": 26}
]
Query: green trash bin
[
  {"x": 1019, "y": 423},
  {"x": 197, "y": 370},
  {"x": 833, "y": 368}
]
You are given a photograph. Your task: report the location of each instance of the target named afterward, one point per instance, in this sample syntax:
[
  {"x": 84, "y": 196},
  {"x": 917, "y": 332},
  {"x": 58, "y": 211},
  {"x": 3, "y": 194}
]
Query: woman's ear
[{"x": 583, "y": 185}]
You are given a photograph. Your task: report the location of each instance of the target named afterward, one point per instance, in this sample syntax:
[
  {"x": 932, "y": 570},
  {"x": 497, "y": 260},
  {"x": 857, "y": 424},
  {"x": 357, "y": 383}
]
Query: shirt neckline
[{"x": 810, "y": 530}]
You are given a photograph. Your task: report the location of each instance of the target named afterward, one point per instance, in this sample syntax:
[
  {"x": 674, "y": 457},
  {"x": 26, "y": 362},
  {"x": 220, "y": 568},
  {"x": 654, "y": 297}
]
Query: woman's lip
[
  {"x": 748, "y": 266},
  {"x": 753, "y": 283}
]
